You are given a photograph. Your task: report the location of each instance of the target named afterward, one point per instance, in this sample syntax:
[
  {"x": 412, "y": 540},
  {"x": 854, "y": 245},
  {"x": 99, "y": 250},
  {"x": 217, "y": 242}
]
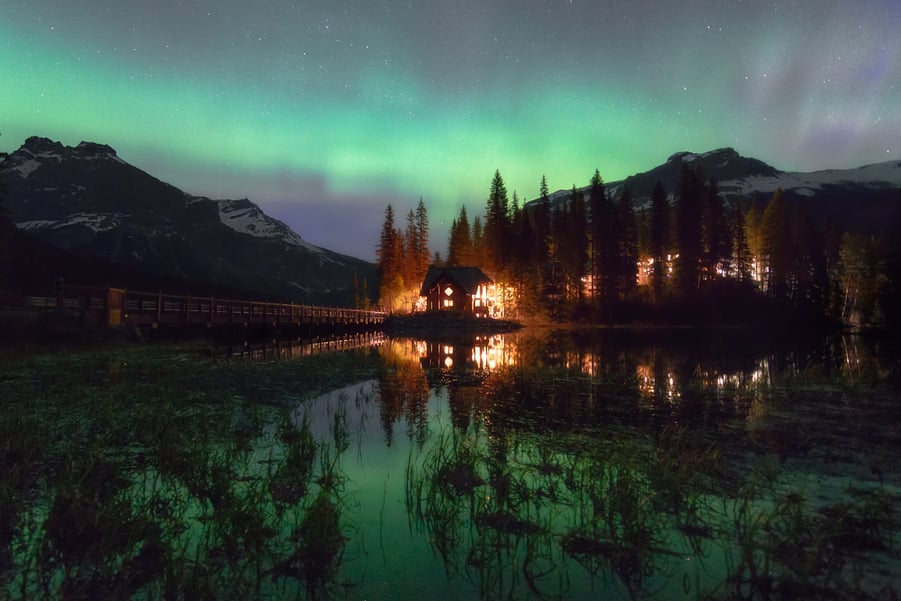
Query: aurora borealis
[{"x": 322, "y": 112}]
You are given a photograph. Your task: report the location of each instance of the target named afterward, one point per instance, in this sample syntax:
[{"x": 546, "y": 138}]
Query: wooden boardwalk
[{"x": 118, "y": 307}]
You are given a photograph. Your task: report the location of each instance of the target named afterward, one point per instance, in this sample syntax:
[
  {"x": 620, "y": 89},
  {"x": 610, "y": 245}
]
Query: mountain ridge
[
  {"x": 875, "y": 188},
  {"x": 88, "y": 201}
]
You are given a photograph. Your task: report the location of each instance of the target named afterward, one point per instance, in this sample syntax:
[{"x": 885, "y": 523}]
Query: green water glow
[{"x": 565, "y": 466}]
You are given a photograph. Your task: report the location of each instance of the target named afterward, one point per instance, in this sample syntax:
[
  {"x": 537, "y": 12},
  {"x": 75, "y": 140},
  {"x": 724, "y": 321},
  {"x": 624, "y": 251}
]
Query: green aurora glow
[{"x": 350, "y": 105}]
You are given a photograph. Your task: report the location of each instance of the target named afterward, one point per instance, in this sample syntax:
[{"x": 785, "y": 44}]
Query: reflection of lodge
[
  {"x": 460, "y": 290},
  {"x": 483, "y": 353}
]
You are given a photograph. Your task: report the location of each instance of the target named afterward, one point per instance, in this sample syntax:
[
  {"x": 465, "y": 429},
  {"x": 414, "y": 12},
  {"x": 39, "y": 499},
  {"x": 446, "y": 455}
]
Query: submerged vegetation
[
  {"x": 152, "y": 474},
  {"x": 573, "y": 466}
]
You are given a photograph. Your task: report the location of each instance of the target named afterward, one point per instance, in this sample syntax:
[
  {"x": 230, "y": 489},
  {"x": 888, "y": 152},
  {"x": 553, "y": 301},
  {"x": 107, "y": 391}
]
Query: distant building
[{"x": 459, "y": 289}]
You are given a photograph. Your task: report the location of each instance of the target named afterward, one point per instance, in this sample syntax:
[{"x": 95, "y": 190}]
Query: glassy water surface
[{"x": 554, "y": 465}]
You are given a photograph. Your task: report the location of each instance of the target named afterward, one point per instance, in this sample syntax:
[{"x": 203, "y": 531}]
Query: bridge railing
[{"x": 115, "y": 306}]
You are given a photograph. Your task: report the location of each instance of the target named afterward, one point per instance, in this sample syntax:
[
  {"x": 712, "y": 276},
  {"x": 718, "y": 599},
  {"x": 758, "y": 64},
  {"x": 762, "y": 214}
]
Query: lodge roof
[{"x": 467, "y": 278}]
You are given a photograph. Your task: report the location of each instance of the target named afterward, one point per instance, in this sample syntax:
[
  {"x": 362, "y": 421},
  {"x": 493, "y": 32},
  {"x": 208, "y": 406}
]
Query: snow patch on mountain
[
  {"x": 880, "y": 175},
  {"x": 246, "y": 218},
  {"x": 27, "y": 167},
  {"x": 97, "y": 222}
]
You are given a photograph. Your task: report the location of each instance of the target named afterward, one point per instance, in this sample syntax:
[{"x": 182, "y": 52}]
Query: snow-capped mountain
[
  {"x": 861, "y": 199},
  {"x": 89, "y": 202}
]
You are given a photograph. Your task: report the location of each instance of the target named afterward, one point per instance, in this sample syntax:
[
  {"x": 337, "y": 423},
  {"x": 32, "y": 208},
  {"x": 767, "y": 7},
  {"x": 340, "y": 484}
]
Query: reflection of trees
[
  {"x": 142, "y": 486},
  {"x": 512, "y": 512},
  {"x": 553, "y": 476},
  {"x": 403, "y": 391}
]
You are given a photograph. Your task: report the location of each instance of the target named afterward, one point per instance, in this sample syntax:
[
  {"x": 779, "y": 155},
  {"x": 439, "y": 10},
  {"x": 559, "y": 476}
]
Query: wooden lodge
[{"x": 458, "y": 289}]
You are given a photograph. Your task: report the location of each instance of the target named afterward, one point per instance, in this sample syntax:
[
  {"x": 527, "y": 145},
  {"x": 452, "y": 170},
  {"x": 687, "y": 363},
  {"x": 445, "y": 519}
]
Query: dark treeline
[
  {"x": 689, "y": 256},
  {"x": 403, "y": 258}
]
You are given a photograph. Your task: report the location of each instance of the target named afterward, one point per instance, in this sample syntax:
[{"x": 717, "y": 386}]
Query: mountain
[
  {"x": 92, "y": 204},
  {"x": 864, "y": 199}
]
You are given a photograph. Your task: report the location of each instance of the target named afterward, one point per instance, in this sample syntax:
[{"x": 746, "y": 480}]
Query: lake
[{"x": 577, "y": 464}]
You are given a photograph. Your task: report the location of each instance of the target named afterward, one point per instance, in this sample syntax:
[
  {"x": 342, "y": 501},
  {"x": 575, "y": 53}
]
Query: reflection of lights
[
  {"x": 448, "y": 350},
  {"x": 448, "y": 361}
]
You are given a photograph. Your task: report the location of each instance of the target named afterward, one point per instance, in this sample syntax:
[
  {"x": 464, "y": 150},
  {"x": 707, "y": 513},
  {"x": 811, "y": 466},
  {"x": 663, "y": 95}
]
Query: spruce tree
[
  {"x": 541, "y": 224},
  {"x": 497, "y": 225},
  {"x": 459, "y": 251},
  {"x": 754, "y": 229},
  {"x": 688, "y": 229},
  {"x": 423, "y": 256},
  {"x": 741, "y": 252},
  {"x": 478, "y": 241},
  {"x": 604, "y": 244},
  {"x": 660, "y": 229},
  {"x": 627, "y": 255},
  {"x": 717, "y": 240},
  {"x": 777, "y": 247},
  {"x": 390, "y": 269}
]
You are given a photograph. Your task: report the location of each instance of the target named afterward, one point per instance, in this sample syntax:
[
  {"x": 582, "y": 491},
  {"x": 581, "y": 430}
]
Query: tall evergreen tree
[
  {"x": 390, "y": 268},
  {"x": 717, "y": 240},
  {"x": 577, "y": 242},
  {"x": 478, "y": 240},
  {"x": 778, "y": 247},
  {"x": 459, "y": 250},
  {"x": 409, "y": 258},
  {"x": 741, "y": 251},
  {"x": 541, "y": 223},
  {"x": 660, "y": 229},
  {"x": 810, "y": 270},
  {"x": 423, "y": 256},
  {"x": 688, "y": 228},
  {"x": 604, "y": 244},
  {"x": 754, "y": 229},
  {"x": 497, "y": 225},
  {"x": 627, "y": 255}
]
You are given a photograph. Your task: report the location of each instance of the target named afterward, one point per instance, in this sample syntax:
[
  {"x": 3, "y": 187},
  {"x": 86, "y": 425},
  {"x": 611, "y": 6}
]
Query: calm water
[{"x": 559, "y": 465}]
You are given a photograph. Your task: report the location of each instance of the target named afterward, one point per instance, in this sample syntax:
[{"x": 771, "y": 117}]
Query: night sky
[{"x": 324, "y": 111}]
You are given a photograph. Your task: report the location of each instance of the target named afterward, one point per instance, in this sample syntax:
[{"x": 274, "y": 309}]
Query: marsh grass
[
  {"x": 643, "y": 516},
  {"x": 150, "y": 475}
]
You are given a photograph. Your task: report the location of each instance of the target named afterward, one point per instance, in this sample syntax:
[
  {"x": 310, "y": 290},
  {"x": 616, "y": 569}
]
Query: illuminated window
[
  {"x": 448, "y": 291},
  {"x": 448, "y": 302}
]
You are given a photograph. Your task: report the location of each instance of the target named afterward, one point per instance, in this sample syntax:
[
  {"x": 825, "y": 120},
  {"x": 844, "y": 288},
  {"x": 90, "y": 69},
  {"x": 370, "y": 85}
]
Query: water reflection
[{"x": 558, "y": 465}]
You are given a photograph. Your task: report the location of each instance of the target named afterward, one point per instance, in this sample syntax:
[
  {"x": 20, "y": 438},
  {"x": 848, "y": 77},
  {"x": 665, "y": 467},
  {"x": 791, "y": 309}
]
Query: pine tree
[
  {"x": 459, "y": 251},
  {"x": 572, "y": 243},
  {"x": 497, "y": 225},
  {"x": 604, "y": 244},
  {"x": 810, "y": 270},
  {"x": 541, "y": 223},
  {"x": 409, "y": 257},
  {"x": 390, "y": 268},
  {"x": 627, "y": 255},
  {"x": 754, "y": 229},
  {"x": 423, "y": 256},
  {"x": 478, "y": 241},
  {"x": 660, "y": 228},
  {"x": 741, "y": 251},
  {"x": 688, "y": 229},
  {"x": 778, "y": 249},
  {"x": 717, "y": 240}
]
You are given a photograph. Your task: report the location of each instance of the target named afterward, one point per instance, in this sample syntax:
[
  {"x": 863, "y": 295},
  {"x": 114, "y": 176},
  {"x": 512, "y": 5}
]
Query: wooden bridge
[{"x": 119, "y": 307}]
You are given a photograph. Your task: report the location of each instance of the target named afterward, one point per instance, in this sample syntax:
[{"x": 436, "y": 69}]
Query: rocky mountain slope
[
  {"x": 92, "y": 204},
  {"x": 862, "y": 199}
]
